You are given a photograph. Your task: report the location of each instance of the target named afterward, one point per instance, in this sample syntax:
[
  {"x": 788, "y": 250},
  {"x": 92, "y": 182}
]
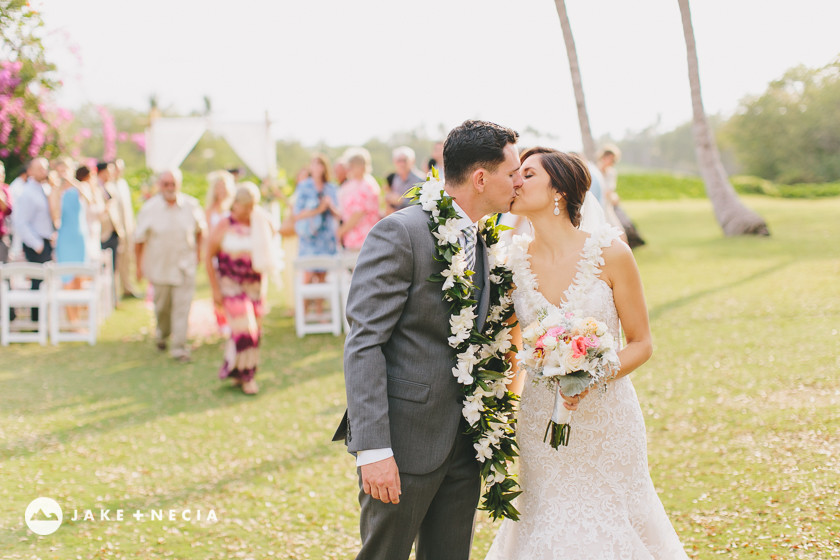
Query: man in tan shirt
[{"x": 168, "y": 249}]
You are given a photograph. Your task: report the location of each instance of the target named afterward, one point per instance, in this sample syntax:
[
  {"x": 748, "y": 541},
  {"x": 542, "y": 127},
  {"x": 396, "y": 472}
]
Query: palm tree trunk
[
  {"x": 577, "y": 83},
  {"x": 734, "y": 218}
]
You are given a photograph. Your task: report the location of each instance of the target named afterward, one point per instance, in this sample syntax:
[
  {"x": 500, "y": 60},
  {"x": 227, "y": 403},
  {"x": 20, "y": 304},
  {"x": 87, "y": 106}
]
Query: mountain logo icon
[{"x": 43, "y": 516}]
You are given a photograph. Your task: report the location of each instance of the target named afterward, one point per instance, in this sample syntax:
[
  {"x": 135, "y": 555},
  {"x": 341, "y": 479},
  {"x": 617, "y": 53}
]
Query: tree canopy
[
  {"x": 30, "y": 124},
  {"x": 791, "y": 133}
]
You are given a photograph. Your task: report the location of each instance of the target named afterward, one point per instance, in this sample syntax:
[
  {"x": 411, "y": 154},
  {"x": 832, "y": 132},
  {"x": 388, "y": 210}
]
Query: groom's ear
[{"x": 479, "y": 178}]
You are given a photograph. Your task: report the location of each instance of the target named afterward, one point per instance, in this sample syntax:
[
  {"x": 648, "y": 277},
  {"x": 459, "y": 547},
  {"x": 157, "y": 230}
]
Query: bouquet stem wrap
[{"x": 557, "y": 431}]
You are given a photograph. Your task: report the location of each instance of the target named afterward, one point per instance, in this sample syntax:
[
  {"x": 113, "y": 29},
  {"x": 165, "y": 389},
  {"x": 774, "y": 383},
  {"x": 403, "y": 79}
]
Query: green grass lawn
[{"x": 740, "y": 399}]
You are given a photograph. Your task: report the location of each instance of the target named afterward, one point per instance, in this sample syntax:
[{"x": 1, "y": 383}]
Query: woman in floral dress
[{"x": 238, "y": 243}]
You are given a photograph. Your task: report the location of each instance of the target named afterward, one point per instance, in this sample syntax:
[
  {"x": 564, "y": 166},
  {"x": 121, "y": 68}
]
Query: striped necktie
[{"x": 469, "y": 245}]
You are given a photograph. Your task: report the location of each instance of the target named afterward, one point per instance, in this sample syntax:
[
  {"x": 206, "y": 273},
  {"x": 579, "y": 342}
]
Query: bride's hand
[{"x": 571, "y": 403}]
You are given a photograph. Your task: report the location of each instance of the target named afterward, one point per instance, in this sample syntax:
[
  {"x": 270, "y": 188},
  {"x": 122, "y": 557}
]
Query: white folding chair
[
  {"x": 348, "y": 263},
  {"x": 87, "y": 297},
  {"x": 328, "y": 291},
  {"x": 107, "y": 294},
  {"x": 15, "y": 293}
]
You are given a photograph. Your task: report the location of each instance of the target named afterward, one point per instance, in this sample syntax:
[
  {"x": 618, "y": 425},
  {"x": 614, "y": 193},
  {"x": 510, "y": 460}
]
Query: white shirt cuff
[{"x": 369, "y": 456}]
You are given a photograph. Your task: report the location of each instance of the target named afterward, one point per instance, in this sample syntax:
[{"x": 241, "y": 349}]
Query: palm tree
[
  {"x": 734, "y": 218},
  {"x": 577, "y": 84}
]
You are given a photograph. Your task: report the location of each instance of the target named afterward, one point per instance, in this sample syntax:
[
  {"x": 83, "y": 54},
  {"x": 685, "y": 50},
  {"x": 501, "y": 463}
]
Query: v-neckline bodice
[{"x": 566, "y": 295}]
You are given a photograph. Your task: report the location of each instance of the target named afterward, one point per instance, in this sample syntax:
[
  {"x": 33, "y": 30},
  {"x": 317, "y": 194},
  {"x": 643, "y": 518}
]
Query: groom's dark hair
[{"x": 472, "y": 145}]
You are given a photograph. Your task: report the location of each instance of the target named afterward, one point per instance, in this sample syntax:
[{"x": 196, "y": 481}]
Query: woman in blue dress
[
  {"x": 72, "y": 242},
  {"x": 316, "y": 215}
]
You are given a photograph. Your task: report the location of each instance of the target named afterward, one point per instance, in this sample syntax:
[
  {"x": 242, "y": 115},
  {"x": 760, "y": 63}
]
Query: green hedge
[{"x": 664, "y": 186}]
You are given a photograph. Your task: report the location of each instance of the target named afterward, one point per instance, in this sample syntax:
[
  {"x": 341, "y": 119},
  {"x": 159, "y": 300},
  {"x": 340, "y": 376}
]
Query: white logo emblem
[{"x": 43, "y": 516}]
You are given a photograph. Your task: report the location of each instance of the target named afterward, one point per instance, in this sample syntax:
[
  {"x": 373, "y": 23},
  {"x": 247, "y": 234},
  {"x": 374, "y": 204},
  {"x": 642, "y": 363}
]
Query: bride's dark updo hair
[{"x": 568, "y": 175}]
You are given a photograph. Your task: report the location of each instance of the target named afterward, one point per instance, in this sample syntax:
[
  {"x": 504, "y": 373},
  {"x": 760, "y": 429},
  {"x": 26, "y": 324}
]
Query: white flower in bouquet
[
  {"x": 552, "y": 364},
  {"x": 553, "y": 318},
  {"x": 550, "y": 343},
  {"x": 574, "y": 362},
  {"x": 533, "y": 331},
  {"x": 607, "y": 341},
  {"x": 527, "y": 359}
]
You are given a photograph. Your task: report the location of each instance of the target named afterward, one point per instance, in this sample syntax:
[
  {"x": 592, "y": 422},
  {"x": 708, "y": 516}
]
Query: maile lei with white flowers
[{"x": 482, "y": 369}]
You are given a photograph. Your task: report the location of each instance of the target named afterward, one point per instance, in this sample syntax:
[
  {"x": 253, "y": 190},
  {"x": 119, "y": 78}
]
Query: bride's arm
[
  {"x": 623, "y": 275},
  {"x": 518, "y": 381}
]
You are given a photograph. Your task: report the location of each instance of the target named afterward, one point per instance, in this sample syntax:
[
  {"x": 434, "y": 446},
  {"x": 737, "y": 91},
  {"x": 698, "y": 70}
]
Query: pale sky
[{"x": 345, "y": 71}]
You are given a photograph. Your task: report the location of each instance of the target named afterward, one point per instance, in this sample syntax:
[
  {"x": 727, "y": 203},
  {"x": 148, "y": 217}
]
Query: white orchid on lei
[{"x": 481, "y": 369}]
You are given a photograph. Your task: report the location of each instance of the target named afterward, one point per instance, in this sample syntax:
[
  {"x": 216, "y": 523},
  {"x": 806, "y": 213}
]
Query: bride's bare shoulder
[
  {"x": 618, "y": 260},
  {"x": 617, "y": 250}
]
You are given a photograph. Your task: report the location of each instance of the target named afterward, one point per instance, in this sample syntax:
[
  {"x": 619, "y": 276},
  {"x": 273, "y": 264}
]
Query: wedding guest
[
  {"x": 359, "y": 202},
  {"x": 73, "y": 240},
  {"x": 220, "y": 190},
  {"x": 32, "y": 221},
  {"x": 302, "y": 175},
  {"x": 316, "y": 215},
  {"x": 436, "y": 159},
  {"x": 608, "y": 157},
  {"x": 406, "y": 177},
  {"x": 237, "y": 173},
  {"x": 170, "y": 226},
  {"x": 340, "y": 171},
  {"x": 15, "y": 189},
  {"x": 125, "y": 248},
  {"x": 5, "y": 212},
  {"x": 597, "y": 186},
  {"x": 16, "y": 186},
  {"x": 60, "y": 178},
  {"x": 217, "y": 209},
  {"x": 94, "y": 211},
  {"x": 242, "y": 245},
  {"x": 113, "y": 228}
]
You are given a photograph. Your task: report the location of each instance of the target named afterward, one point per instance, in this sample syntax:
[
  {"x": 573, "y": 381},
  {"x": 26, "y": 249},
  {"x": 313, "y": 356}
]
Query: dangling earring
[{"x": 556, "y": 206}]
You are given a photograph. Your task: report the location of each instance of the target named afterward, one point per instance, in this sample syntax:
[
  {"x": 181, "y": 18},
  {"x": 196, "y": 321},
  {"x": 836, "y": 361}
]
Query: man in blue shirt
[{"x": 32, "y": 218}]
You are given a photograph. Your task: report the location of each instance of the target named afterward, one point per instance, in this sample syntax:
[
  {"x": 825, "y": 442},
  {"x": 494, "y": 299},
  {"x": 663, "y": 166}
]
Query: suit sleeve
[{"x": 378, "y": 293}]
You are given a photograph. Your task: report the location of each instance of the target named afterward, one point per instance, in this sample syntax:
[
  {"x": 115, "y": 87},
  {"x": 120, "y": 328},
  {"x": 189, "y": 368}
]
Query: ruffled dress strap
[{"x": 591, "y": 261}]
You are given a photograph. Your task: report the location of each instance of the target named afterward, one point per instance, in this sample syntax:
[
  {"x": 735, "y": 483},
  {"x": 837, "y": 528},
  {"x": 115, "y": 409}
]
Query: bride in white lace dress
[{"x": 592, "y": 500}]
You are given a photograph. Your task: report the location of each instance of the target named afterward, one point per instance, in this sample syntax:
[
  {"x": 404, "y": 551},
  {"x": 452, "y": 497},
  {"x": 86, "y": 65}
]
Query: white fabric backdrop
[
  {"x": 170, "y": 140},
  {"x": 252, "y": 142}
]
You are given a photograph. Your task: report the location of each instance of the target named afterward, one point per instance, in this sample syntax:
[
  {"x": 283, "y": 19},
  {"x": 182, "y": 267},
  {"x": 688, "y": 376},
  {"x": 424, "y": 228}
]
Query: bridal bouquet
[{"x": 570, "y": 354}]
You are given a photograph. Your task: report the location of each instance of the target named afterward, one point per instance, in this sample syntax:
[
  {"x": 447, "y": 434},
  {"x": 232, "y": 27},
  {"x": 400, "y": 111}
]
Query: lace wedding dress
[{"x": 592, "y": 500}]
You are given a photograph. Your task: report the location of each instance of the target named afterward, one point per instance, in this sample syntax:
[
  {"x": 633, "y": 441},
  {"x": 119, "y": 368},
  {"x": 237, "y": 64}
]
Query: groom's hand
[{"x": 382, "y": 480}]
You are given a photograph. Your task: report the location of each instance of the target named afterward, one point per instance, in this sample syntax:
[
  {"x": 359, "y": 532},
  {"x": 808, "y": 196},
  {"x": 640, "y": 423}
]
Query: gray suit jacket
[{"x": 397, "y": 363}]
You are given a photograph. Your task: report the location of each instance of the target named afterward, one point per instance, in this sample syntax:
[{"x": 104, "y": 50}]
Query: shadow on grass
[
  {"x": 70, "y": 391},
  {"x": 659, "y": 310}
]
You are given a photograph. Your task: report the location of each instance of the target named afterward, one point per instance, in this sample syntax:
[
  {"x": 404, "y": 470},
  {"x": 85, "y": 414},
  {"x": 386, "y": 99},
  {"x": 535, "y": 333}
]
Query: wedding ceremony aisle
[{"x": 740, "y": 401}]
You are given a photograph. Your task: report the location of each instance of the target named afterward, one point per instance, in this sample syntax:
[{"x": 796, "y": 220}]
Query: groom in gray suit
[{"x": 418, "y": 473}]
